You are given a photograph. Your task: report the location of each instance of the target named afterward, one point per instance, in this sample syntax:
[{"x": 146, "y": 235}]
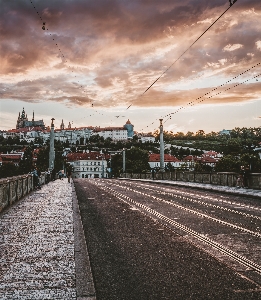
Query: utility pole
[
  {"x": 123, "y": 161},
  {"x": 162, "y": 169},
  {"x": 52, "y": 152},
  {"x": 102, "y": 167}
]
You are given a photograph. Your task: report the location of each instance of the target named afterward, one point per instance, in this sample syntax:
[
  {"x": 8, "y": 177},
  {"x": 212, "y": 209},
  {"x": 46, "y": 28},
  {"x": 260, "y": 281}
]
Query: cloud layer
[{"x": 108, "y": 52}]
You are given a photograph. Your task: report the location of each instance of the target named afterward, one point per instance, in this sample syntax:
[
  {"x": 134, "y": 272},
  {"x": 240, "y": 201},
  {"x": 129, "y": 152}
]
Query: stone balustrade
[
  {"x": 220, "y": 178},
  {"x": 14, "y": 188}
]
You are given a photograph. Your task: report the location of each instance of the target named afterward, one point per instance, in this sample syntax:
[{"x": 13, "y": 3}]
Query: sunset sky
[{"x": 96, "y": 58}]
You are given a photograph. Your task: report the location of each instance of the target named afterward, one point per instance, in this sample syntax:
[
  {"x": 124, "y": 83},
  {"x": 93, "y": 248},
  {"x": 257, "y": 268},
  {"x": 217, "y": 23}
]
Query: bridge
[{"x": 129, "y": 227}]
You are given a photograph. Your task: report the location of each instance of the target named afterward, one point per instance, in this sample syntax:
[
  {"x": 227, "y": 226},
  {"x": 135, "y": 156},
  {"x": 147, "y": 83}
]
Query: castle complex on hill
[
  {"x": 29, "y": 130},
  {"x": 22, "y": 121}
]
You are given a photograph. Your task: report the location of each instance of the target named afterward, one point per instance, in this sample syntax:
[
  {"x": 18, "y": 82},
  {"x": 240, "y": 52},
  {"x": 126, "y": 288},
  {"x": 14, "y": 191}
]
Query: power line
[
  {"x": 231, "y": 4},
  {"x": 255, "y": 77},
  {"x": 201, "y": 98}
]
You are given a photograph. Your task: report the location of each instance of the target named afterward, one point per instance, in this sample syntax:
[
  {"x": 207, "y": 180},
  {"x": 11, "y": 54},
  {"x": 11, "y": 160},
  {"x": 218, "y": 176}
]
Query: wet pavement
[{"x": 42, "y": 246}]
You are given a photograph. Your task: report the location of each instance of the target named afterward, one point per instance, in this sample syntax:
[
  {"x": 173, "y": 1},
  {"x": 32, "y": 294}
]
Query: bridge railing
[
  {"x": 220, "y": 178},
  {"x": 14, "y": 188}
]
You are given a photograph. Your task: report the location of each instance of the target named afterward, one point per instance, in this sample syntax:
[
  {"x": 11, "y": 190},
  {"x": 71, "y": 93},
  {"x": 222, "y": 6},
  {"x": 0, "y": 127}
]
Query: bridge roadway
[
  {"x": 152, "y": 241},
  {"x": 145, "y": 241}
]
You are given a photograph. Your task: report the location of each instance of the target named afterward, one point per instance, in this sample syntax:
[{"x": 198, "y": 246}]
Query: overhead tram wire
[
  {"x": 194, "y": 102},
  {"x": 200, "y": 99},
  {"x": 231, "y": 4}
]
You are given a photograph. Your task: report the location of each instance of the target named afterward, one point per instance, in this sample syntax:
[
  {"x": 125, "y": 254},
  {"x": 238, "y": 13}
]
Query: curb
[
  {"x": 85, "y": 289},
  {"x": 220, "y": 189}
]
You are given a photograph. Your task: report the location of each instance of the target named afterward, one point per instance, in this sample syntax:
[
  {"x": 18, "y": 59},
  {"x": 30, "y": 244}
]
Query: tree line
[{"x": 238, "y": 148}]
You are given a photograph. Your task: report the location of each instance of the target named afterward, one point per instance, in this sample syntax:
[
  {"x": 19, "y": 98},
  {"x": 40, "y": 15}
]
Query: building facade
[
  {"x": 88, "y": 165},
  {"x": 154, "y": 161}
]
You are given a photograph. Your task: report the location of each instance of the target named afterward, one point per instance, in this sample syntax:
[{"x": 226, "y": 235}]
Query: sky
[{"x": 95, "y": 60}]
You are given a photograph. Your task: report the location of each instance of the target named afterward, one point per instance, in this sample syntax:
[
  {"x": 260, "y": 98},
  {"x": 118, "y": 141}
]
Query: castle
[
  {"x": 22, "y": 122},
  {"x": 29, "y": 130}
]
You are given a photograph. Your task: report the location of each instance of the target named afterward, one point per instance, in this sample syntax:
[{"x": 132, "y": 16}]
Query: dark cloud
[{"x": 111, "y": 51}]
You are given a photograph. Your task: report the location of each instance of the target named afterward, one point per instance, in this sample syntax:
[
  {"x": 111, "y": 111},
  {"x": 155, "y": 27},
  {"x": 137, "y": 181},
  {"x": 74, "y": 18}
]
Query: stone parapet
[
  {"x": 14, "y": 188},
  {"x": 220, "y": 178}
]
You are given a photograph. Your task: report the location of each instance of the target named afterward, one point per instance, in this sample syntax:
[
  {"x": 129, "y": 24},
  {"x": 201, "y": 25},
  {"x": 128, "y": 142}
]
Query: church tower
[
  {"x": 21, "y": 120},
  {"x": 129, "y": 128}
]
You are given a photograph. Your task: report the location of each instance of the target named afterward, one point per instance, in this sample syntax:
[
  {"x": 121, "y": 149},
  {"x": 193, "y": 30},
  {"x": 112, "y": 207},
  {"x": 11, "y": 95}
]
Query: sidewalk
[
  {"x": 210, "y": 187},
  {"x": 42, "y": 246}
]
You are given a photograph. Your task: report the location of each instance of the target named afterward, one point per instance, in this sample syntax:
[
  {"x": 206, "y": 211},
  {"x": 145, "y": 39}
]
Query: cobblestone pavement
[{"x": 37, "y": 246}]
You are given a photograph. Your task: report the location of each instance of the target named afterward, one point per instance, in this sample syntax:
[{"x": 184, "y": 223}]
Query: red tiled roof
[
  {"x": 11, "y": 157},
  {"x": 85, "y": 156},
  {"x": 167, "y": 158},
  {"x": 109, "y": 129},
  {"x": 191, "y": 157},
  {"x": 208, "y": 159},
  {"x": 26, "y": 129}
]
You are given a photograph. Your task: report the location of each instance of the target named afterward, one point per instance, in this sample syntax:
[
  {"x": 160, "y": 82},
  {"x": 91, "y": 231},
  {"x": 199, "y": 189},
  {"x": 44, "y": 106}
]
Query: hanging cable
[
  {"x": 201, "y": 98},
  {"x": 169, "y": 115},
  {"x": 184, "y": 52}
]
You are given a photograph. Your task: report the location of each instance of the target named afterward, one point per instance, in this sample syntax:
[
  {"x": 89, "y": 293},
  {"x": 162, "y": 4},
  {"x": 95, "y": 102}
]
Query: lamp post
[
  {"x": 102, "y": 167},
  {"x": 123, "y": 161},
  {"x": 52, "y": 152},
  {"x": 161, "y": 147}
]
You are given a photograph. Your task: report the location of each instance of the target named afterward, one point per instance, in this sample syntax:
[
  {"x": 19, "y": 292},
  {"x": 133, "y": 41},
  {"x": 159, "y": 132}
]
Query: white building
[
  {"x": 115, "y": 133},
  {"x": 154, "y": 161},
  {"x": 88, "y": 165},
  {"x": 72, "y": 135},
  {"x": 145, "y": 138}
]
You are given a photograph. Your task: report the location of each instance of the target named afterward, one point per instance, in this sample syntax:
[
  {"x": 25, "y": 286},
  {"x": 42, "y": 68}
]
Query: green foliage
[
  {"x": 136, "y": 161},
  {"x": 26, "y": 164},
  {"x": 8, "y": 170},
  {"x": 43, "y": 159},
  {"x": 228, "y": 163},
  {"x": 237, "y": 148},
  {"x": 202, "y": 168}
]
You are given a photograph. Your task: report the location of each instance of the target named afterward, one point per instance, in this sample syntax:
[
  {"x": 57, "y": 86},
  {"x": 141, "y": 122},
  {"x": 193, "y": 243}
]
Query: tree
[
  {"x": 252, "y": 160},
  {"x": 137, "y": 160},
  {"x": 26, "y": 164},
  {"x": 228, "y": 163},
  {"x": 8, "y": 170},
  {"x": 200, "y": 134},
  {"x": 169, "y": 167},
  {"x": 43, "y": 159}
]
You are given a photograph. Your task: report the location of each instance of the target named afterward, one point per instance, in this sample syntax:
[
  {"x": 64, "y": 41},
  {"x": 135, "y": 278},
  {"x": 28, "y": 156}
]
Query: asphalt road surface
[{"x": 149, "y": 241}]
